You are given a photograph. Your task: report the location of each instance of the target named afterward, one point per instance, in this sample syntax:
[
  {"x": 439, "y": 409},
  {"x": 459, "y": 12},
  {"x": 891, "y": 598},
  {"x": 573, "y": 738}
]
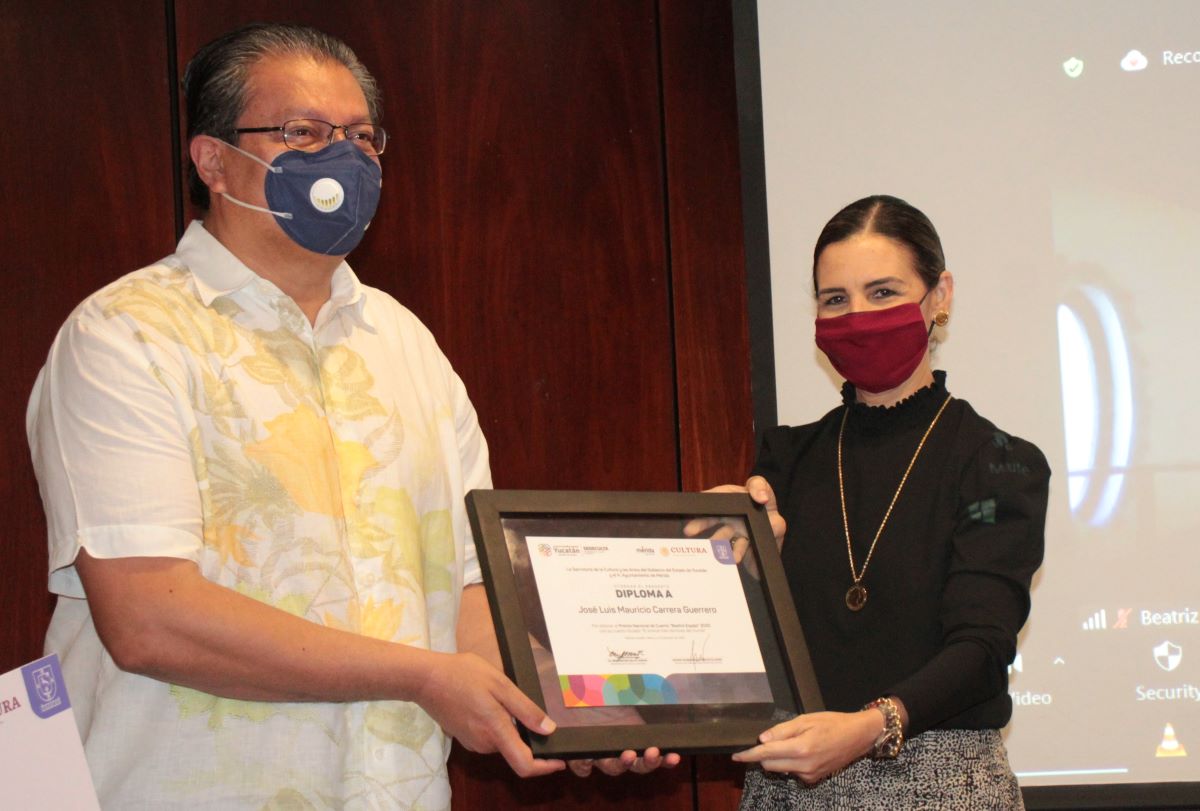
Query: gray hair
[{"x": 214, "y": 82}]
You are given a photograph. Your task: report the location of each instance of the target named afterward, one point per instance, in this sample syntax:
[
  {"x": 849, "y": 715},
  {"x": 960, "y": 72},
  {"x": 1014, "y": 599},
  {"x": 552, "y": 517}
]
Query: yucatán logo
[{"x": 45, "y": 686}]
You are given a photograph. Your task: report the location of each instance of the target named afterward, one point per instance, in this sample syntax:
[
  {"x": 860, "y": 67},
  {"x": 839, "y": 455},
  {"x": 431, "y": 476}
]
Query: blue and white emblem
[
  {"x": 45, "y": 686},
  {"x": 45, "y": 683}
]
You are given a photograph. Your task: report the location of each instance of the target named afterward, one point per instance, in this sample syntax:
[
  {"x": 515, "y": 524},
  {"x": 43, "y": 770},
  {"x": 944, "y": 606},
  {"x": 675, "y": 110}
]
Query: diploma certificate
[
  {"x": 660, "y": 610},
  {"x": 642, "y": 619}
]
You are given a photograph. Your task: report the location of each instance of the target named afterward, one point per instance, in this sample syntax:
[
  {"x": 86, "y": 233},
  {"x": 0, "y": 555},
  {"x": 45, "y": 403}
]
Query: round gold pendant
[{"x": 856, "y": 597}]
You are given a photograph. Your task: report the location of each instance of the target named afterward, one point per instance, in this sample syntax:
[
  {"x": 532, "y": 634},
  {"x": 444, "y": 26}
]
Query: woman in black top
[{"x": 914, "y": 527}]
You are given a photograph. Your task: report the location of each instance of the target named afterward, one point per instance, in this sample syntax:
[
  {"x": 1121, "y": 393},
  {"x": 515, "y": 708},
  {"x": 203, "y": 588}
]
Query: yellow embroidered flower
[
  {"x": 228, "y": 540},
  {"x": 320, "y": 472},
  {"x": 390, "y": 526},
  {"x": 288, "y": 799},
  {"x": 377, "y": 620},
  {"x": 283, "y": 360},
  {"x": 168, "y": 310},
  {"x": 437, "y": 543},
  {"x": 348, "y": 384},
  {"x": 400, "y": 722}
]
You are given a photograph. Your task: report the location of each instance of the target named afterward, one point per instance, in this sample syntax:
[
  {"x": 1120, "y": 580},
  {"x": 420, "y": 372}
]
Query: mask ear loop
[
  {"x": 270, "y": 168},
  {"x": 287, "y": 215}
]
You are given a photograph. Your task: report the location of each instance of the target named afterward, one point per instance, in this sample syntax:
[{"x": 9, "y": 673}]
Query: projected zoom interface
[
  {"x": 1062, "y": 174},
  {"x": 1181, "y": 58},
  {"x": 1132, "y": 60},
  {"x": 1143, "y": 665}
]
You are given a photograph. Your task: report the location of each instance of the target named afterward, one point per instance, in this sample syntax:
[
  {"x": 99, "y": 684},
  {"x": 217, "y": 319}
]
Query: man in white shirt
[{"x": 253, "y": 469}]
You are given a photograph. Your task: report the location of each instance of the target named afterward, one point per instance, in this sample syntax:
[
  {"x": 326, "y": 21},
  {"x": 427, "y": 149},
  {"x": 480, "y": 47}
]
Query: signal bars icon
[{"x": 1096, "y": 622}]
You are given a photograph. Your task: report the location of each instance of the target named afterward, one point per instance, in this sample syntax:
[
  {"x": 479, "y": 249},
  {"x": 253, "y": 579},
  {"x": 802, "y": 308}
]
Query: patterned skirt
[{"x": 959, "y": 769}]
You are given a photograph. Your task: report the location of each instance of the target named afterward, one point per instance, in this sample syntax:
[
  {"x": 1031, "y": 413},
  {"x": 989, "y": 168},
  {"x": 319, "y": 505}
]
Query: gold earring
[{"x": 942, "y": 318}]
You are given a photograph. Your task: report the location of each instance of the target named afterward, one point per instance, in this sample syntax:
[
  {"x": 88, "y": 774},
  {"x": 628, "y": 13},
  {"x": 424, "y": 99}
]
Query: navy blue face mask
[{"x": 323, "y": 200}]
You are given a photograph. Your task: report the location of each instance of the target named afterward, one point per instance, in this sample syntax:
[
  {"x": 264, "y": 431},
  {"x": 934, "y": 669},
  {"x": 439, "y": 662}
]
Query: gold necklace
[{"x": 856, "y": 595}]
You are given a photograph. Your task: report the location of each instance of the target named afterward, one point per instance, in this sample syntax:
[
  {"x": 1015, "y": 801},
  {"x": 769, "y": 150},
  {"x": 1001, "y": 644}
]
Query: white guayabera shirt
[{"x": 190, "y": 410}]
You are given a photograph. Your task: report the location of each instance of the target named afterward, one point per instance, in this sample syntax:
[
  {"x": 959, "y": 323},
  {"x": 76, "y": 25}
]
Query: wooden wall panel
[
  {"x": 716, "y": 432},
  {"x": 712, "y": 342},
  {"x": 86, "y": 180},
  {"x": 550, "y": 197}
]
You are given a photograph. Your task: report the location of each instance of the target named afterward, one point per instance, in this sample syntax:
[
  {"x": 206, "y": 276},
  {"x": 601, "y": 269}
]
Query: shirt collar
[
  {"x": 346, "y": 291},
  {"x": 219, "y": 273},
  {"x": 216, "y": 270}
]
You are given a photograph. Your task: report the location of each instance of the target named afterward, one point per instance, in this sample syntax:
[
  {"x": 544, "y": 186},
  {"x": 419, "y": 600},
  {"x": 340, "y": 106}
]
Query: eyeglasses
[{"x": 311, "y": 134}]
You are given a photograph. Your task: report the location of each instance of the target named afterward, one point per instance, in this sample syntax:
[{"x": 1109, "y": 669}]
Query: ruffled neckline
[{"x": 918, "y": 407}]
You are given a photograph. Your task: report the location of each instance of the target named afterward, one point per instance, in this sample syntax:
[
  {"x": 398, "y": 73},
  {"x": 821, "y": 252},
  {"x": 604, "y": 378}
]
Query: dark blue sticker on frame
[{"x": 723, "y": 551}]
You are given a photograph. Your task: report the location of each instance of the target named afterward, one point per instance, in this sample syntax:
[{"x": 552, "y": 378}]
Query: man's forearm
[
  {"x": 476, "y": 633},
  {"x": 161, "y": 618}
]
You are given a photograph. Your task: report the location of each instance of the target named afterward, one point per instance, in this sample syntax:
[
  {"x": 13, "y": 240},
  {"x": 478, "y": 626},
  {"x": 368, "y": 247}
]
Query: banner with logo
[{"x": 41, "y": 757}]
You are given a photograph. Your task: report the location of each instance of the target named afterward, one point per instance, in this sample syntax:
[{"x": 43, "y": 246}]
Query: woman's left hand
[
  {"x": 628, "y": 761},
  {"x": 815, "y": 745}
]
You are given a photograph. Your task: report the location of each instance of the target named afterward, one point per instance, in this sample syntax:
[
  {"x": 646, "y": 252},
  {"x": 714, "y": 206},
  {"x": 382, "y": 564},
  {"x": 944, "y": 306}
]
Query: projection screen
[{"x": 1054, "y": 145}]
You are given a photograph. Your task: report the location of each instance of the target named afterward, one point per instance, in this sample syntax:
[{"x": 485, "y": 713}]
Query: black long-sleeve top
[{"x": 948, "y": 584}]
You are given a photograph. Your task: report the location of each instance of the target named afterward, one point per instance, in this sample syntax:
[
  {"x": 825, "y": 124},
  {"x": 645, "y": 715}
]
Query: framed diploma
[{"x": 642, "y": 619}]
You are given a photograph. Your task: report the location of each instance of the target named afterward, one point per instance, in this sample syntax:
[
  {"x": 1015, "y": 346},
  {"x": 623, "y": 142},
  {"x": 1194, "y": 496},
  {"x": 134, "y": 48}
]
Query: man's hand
[
  {"x": 476, "y": 704},
  {"x": 628, "y": 761}
]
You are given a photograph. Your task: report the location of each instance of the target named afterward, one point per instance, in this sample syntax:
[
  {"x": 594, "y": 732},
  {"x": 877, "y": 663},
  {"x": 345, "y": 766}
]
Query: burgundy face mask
[{"x": 875, "y": 350}]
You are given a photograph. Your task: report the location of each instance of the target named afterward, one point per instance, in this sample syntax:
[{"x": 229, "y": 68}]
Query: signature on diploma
[
  {"x": 626, "y": 656},
  {"x": 699, "y": 654}
]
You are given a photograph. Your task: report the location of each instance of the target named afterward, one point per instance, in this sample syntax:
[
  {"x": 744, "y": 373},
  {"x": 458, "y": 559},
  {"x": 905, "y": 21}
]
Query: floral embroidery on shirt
[{"x": 328, "y": 461}]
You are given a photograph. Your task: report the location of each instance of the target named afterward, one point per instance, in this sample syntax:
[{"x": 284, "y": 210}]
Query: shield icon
[
  {"x": 1168, "y": 655},
  {"x": 45, "y": 683}
]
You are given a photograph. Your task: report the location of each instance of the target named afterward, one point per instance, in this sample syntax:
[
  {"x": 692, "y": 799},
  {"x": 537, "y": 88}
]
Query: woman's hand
[
  {"x": 759, "y": 490},
  {"x": 628, "y": 761},
  {"x": 816, "y": 745}
]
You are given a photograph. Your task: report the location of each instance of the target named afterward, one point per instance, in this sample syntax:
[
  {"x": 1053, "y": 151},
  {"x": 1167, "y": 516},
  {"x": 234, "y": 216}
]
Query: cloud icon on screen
[{"x": 1134, "y": 60}]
